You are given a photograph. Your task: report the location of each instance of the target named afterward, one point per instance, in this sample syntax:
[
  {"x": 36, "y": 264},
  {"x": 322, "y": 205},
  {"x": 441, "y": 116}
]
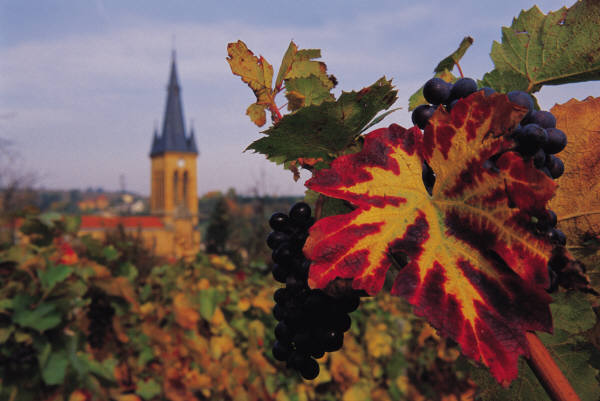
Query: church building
[{"x": 171, "y": 230}]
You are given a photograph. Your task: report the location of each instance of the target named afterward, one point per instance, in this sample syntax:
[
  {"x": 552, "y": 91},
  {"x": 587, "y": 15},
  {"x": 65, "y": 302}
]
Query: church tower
[{"x": 174, "y": 195}]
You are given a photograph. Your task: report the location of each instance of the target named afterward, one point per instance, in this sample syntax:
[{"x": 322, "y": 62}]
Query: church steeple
[{"x": 173, "y": 137}]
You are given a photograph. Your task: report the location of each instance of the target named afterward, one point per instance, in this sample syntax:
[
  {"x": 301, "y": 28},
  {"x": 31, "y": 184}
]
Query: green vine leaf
[
  {"x": 322, "y": 131},
  {"x": 553, "y": 49},
  {"x": 442, "y": 70}
]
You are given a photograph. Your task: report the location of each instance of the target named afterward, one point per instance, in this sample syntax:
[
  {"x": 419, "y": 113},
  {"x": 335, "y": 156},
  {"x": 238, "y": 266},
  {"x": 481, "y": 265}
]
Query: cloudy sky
[{"x": 83, "y": 82}]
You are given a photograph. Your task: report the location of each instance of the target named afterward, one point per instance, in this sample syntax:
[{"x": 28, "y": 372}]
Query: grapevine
[{"x": 457, "y": 208}]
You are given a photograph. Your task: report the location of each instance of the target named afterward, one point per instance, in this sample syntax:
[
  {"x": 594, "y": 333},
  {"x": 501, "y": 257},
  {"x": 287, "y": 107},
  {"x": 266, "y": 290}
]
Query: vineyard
[{"x": 464, "y": 237}]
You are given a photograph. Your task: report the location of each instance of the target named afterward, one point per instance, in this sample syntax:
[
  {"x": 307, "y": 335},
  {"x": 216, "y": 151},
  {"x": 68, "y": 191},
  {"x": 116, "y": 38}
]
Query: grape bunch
[
  {"x": 536, "y": 138},
  {"x": 100, "y": 315},
  {"x": 311, "y": 322}
]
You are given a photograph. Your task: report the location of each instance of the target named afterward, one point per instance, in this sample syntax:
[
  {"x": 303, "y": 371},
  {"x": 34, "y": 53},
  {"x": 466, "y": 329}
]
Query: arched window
[
  {"x": 175, "y": 188},
  {"x": 185, "y": 190}
]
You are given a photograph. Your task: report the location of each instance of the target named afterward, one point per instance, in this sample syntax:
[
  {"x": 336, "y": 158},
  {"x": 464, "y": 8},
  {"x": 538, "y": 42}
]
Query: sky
[{"x": 83, "y": 82}]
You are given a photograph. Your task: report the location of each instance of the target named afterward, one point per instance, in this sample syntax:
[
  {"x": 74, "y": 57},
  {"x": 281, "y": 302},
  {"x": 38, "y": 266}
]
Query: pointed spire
[{"x": 173, "y": 136}]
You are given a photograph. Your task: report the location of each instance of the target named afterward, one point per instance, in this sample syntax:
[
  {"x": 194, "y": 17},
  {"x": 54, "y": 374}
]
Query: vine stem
[
  {"x": 319, "y": 206},
  {"x": 547, "y": 372},
  {"x": 459, "y": 69}
]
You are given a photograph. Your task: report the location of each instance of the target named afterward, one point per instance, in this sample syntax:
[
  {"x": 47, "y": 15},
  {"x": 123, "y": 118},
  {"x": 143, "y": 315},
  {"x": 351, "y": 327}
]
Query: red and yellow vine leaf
[{"x": 474, "y": 269}]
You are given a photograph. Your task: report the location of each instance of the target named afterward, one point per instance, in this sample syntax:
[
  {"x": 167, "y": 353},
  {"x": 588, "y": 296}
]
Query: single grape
[
  {"x": 422, "y": 114},
  {"x": 283, "y": 333},
  {"x": 281, "y": 295},
  {"x": 276, "y": 238},
  {"x": 557, "y": 236},
  {"x": 543, "y": 118},
  {"x": 349, "y": 303},
  {"x": 300, "y": 213},
  {"x": 279, "y": 312},
  {"x": 309, "y": 369},
  {"x": 557, "y": 140},
  {"x": 523, "y": 99},
  {"x": 555, "y": 166},
  {"x": 279, "y": 221},
  {"x": 530, "y": 138},
  {"x": 546, "y": 221},
  {"x": 436, "y": 91},
  {"x": 281, "y": 352},
  {"x": 283, "y": 254},
  {"x": 463, "y": 88}
]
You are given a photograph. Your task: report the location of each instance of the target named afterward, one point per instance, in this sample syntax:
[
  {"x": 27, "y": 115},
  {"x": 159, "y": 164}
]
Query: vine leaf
[
  {"x": 442, "y": 70},
  {"x": 577, "y": 203},
  {"x": 257, "y": 73},
  {"x": 474, "y": 270},
  {"x": 320, "y": 131},
  {"x": 306, "y": 80},
  {"x": 553, "y": 49}
]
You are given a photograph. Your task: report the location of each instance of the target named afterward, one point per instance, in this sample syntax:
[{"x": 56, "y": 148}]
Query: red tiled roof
[{"x": 91, "y": 221}]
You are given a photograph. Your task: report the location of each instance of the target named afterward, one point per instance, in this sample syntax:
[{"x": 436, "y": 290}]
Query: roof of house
[
  {"x": 173, "y": 137},
  {"x": 91, "y": 222}
]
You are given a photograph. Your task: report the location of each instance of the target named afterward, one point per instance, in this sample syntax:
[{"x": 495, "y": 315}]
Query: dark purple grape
[
  {"x": 276, "y": 238},
  {"x": 349, "y": 303},
  {"x": 283, "y": 333},
  {"x": 556, "y": 236},
  {"x": 462, "y": 88},
  {"x": 557, "y": 140},
  {"x": 530, "y": 138},
  {"x": 281, "y": 352},
  {"x": 279, "y": 312},
  {"x": 309, "y": 368},
  {"x": 546, "y": 221},
  {"x": 333, "y": 341},
  {"x": 302, "y": 341},
  {"x": 300, "y": 213},
  {"x": 281, "y": 295},
  {"x": 543, "y": 118},
  {"x": 546, "y": 171},
  {"x": 279, "y": 221},
  {"x": 555, "y": 166},
  {"x": 523, "y": 99},
  {"x": 283, "y": 254},
  {"x": 341, "y": 322},
  {"x": 318, "y": 353},
  {"x": 436, "y": 91},
  {"x": 422, "y": 114},
  {"x": 280, "y": 272}
]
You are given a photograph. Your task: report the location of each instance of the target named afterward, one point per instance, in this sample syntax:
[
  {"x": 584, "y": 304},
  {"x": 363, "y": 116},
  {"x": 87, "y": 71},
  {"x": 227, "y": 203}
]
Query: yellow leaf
[
  {"x": 577, "y": 201},
  {"x": 220, "y": 345},
  {"x": 80, "y": 395},
  {"x": 358, "y": 392},
  {"x": 218, "y": 318},
  {"x": 243, "y": 304},
  {"x": 342, "y": 370},
  {"x": 379, "y": 342},
  {"x": 128, "y": 397},
  {"x": 203, "y": 284},
  {"x": 264, "y": 300},
  {"x": 185, "y": 315}
]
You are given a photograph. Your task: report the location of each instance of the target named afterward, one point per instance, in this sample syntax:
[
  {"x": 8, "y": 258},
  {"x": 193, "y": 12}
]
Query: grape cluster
[
  {"x": 311, "y": 322},
  {"x": 536, "y": 138},
  {"x": 100, "y": 315}
]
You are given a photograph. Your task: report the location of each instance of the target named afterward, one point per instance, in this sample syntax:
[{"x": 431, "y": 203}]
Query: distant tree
[{"x": 219, "y": 228}]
